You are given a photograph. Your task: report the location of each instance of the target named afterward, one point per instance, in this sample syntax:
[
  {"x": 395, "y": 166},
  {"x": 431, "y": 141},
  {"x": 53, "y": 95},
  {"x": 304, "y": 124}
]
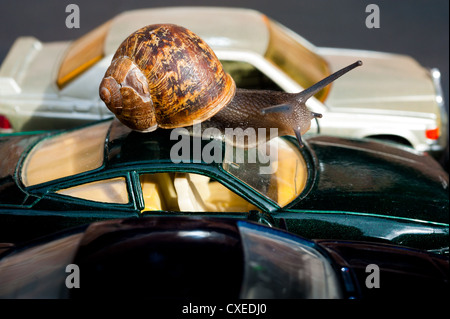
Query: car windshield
[
  {"x": 279, "y": 265},
  {"x": 65, "y": 155},
  {"x": 277, "y": 170},
  {"x": 247, "y": 76}
]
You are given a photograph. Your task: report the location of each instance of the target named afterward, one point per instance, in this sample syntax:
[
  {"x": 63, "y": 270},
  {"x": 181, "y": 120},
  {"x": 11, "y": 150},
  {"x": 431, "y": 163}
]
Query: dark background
[{"x": 419, "y": 28}]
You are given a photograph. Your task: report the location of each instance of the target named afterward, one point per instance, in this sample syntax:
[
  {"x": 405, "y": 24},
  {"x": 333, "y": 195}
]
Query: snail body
[
  {"x": 250, "y": 109},
  {"x": 166, "y": 76}
]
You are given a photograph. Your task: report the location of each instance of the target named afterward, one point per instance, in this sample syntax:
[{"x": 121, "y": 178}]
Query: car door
[
  {"x": 188, "y": 193},
  {"x": 69, "y": 204}
]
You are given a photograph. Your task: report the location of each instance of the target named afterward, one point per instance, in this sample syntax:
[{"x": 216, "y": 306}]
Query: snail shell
[{"x": 165, "y": 76}]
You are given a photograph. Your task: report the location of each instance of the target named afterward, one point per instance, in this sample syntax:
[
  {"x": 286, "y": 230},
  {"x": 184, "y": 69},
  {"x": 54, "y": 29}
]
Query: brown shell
[
  {"x": 186, "y": 81},
  {"x": 125, "y": 92}
]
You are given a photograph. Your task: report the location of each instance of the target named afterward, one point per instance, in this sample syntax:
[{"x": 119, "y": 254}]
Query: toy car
[
  {"x": 331, "y": 188},
  {"x": 218, "y": 258},
  {"x": 55, "y": 85}
]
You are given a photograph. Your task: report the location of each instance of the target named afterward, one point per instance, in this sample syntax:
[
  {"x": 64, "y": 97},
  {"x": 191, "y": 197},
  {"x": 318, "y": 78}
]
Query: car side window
[
  {"x": 112, "y": 190},
  {"x": 247, "y": 76},
  {"x": 189, "y": 192}
]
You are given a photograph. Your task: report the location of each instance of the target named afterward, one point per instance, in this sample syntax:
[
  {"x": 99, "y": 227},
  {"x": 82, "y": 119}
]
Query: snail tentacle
[
  {"x": 303, "y": 96},
  {"x": 279, "y": 108},
  {"x": 298, "y": 134}
]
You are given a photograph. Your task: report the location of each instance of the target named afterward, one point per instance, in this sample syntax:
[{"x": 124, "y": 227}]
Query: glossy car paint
[
  {"x": 356, "y": 190},
  {"x": 180, "y": 257},
  {"x": 403, "y": 273}
]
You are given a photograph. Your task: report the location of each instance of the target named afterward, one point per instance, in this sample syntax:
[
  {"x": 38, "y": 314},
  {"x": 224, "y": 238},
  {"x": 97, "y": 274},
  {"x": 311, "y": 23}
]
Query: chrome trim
[
  {"x": 441, "y": 251},
  {"x": 348, "y": 282},
  {"x": 436, "y": 77}
]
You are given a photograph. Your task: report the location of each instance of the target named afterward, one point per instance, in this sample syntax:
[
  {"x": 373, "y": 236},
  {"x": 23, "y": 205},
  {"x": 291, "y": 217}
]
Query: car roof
[
  {"x": 126, "y": 147},
  {"x": 221, "y": 28}
]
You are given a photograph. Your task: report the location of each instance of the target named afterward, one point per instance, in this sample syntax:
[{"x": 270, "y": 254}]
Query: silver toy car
[{"x": 55, "y": 85}]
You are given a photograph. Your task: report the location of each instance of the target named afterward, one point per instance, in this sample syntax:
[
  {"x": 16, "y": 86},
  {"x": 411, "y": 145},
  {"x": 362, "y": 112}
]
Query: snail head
[
  {"x": 294, "y": 111},
  {"x": 124, "y": 89}
]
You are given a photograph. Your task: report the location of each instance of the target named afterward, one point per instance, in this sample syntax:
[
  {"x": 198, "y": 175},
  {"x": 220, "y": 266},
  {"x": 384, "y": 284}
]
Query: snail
[{"x": 166, "y": 76}]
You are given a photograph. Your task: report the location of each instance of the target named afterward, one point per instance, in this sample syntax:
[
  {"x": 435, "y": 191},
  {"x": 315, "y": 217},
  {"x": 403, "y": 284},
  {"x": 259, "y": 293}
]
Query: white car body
[{"x": 391, "y": 96}]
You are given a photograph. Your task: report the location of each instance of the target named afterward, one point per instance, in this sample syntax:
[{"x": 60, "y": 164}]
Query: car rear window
[
  {"x": 65, "y": 155},
  {"x": 247, "y": 76},
  {"x": 82, "y": 54},
  {"x": 295, "y": 57},
  {"x": 112, "y": 190}
]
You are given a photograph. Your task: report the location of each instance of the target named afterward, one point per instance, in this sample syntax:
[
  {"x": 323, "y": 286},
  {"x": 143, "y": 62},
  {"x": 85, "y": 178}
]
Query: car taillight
[
  {"x": 432, "y": 134},
  {"x": 4, "y": 122}
]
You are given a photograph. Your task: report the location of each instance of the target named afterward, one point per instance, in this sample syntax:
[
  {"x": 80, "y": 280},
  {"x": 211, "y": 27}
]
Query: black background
[{"x": 419, "y": 28}]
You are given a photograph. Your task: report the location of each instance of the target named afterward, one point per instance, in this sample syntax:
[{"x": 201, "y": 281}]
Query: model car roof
[
  {"x": 125, "y": 146},
  {"x": 221, "y": 28}
]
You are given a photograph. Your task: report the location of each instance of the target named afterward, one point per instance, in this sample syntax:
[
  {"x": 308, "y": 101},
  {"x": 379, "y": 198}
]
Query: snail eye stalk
[
  {"x": 303, "y": 96},
  {"x": 299, "y": 137}
]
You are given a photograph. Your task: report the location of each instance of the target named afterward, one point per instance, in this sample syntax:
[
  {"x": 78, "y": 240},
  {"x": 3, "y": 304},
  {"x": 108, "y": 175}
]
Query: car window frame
[
  {"x": 235, "y": 186},
  {"x": 312, "y": 163},
  {"x": 51, "y": 191},
  {"x": 217, "y": 172},
  {"x": 213, "y": 170},
  {"x": 23, "y": 158}
]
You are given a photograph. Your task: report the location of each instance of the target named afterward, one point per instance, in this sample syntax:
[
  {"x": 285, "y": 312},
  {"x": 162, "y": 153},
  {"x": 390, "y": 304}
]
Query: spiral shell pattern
[{"x": 185, "y": 80}]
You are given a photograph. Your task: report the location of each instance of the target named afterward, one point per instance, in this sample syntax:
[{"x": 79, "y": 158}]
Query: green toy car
[{"x": 331, "y": 188}]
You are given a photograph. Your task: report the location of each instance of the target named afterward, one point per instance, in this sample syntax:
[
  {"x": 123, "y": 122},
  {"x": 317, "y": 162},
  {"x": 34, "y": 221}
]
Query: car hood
[
  {"x": 385, "y": 83},
  {"x": 402, "y": 272},
  {"x": 366, "y": 176}
]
